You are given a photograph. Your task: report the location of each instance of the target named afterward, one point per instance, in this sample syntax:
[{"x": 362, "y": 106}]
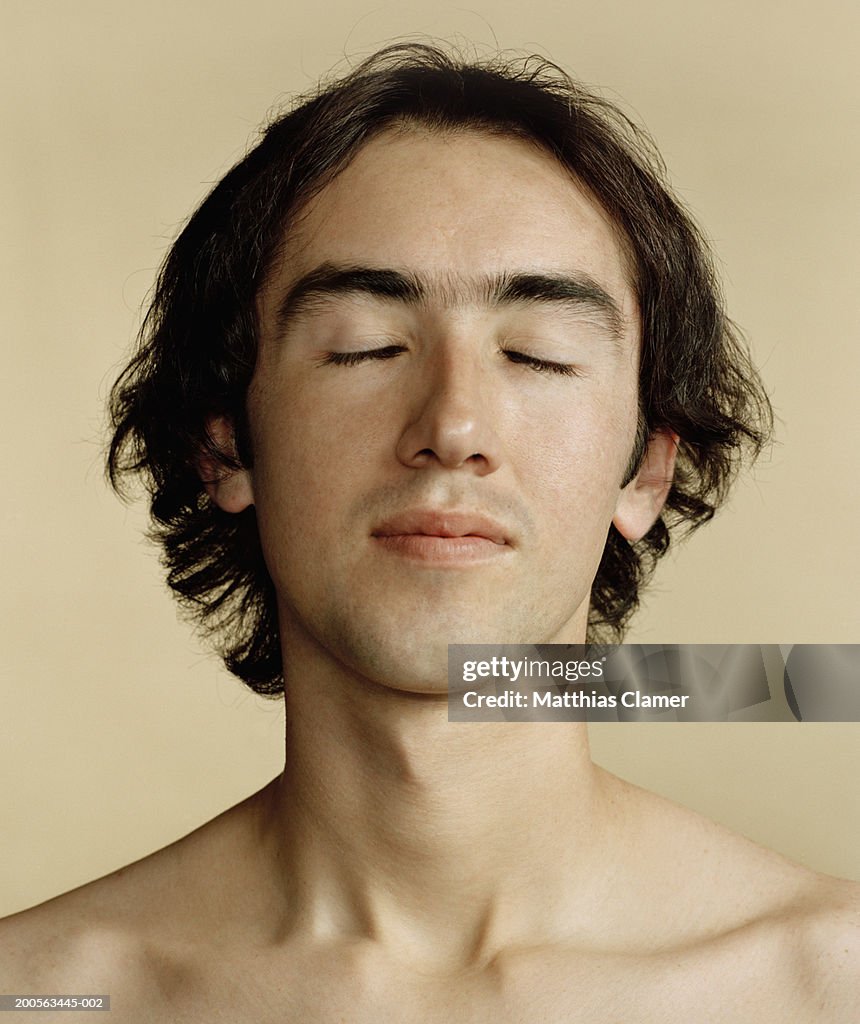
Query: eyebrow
[{"x": 574, "y": 292}]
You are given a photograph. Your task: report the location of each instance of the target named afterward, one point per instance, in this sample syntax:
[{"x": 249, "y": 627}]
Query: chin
[
  {"x": 408, "y": 661},
  {"x": 398, "y": 638},
  {"x": 409, "y": 653}
]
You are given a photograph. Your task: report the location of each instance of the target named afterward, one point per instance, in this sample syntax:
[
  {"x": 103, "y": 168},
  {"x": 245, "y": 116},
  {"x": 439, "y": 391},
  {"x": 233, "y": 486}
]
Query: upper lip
[{"x": 442, "y": 523}]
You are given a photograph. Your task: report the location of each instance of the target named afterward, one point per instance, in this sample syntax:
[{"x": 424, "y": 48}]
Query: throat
[{"x": 453, "y": 838}]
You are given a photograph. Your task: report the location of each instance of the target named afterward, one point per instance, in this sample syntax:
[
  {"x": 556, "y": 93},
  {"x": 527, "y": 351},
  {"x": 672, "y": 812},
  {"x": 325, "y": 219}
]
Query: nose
[{"x": 450, "y": 420}]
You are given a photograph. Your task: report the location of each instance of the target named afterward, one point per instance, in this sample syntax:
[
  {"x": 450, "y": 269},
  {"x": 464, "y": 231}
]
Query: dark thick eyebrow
[{"x": 573, "y": 291}]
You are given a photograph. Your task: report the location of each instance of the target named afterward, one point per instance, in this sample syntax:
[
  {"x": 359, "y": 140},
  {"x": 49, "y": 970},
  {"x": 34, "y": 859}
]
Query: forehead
[{"x": 455, "y": 207}]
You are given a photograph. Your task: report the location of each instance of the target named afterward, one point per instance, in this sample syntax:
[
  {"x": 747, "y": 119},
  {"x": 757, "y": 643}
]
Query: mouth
[{"x": 443, "y": 536}]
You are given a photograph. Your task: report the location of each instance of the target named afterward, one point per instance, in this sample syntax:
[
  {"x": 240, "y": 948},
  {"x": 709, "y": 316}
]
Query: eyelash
[
  {"x": 541, "y": 365},
  {"x": 354, "y": 358},
  {"x": 389, "y": 351}
]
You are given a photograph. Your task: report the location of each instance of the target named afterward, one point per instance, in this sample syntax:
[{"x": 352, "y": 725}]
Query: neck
[{"x": 444, "y": 841}]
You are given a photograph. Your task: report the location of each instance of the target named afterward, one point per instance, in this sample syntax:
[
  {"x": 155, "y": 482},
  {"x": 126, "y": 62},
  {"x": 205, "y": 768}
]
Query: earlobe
[
  {"x": 230, "y": 489},
  {"x": 641, "y": 501}
]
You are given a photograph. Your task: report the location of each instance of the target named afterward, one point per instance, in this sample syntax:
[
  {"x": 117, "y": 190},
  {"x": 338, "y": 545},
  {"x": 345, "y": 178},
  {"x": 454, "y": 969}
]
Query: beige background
[{"x": 118, "y": 732}]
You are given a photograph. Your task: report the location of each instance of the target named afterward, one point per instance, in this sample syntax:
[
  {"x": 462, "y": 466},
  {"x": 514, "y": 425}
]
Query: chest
[{"x": 550, "y": 989}]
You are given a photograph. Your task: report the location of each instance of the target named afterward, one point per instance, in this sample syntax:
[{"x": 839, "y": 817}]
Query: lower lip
[{"x": 441, "y": 550}]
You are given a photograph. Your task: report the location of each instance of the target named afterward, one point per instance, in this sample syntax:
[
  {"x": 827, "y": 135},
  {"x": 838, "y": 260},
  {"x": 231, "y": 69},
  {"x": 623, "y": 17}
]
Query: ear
[
  {"x": 230, "y": 489},
  {"x": 641, "y": 501}
]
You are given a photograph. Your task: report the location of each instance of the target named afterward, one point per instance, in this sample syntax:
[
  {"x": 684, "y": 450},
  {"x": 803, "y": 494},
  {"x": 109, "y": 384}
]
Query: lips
[{"x": 444, "y": 524}]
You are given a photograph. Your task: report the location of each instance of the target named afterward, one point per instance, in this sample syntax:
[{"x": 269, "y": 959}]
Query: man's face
[{"x": 442, "y": 413}]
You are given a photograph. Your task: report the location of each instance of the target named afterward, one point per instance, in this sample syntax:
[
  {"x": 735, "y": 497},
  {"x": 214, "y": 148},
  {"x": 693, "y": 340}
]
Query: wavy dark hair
[{"x": 198, "y": 342}]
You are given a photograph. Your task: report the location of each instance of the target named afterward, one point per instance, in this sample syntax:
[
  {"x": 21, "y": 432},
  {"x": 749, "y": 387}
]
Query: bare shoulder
[
  {"x": 827, "y": 927},
  {"x": 741, "y": 914},
  {"x": 125, "y": 933},
  {"x": 74, "y": 944}
]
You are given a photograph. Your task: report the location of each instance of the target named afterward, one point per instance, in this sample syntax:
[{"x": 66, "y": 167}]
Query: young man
[{"x": 441, "y": 361}]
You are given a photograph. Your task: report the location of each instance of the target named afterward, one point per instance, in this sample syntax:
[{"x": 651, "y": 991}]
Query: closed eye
[
  {"x": 390, "y": 351},
  {"x": 542, "y": 365},
  {"x": 354, "y": 358}
]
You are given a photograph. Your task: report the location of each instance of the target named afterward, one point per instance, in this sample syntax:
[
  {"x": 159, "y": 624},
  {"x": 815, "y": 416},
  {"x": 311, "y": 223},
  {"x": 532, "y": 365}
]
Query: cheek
[
  {"x": 306, "y": 453},
  {"x": 578, "y": 451}
]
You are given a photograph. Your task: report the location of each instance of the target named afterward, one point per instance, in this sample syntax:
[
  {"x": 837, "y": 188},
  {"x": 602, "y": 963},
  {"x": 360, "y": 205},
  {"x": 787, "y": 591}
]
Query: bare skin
[
  {"x": 404, "y": 867},
  {"x": 690, "y": 922}
]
